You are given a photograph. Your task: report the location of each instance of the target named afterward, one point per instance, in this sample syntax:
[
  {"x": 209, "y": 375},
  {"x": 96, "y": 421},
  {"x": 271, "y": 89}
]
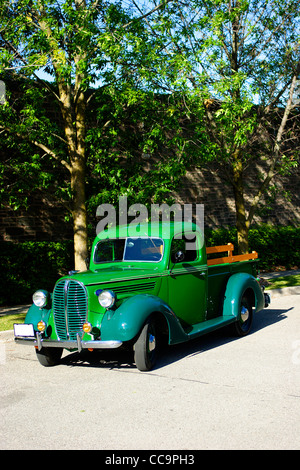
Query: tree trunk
[
  {"x": 78, "y": 178},
  {"x": 242, "y": 224},
  {"x": 73, "y": 105},
  {"x": 79, "y": 213}
]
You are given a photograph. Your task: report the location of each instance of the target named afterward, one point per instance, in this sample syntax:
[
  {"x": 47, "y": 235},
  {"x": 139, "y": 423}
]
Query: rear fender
[
  {"x": 125, "y": 323},
  {"x": 237, "y": 285}
]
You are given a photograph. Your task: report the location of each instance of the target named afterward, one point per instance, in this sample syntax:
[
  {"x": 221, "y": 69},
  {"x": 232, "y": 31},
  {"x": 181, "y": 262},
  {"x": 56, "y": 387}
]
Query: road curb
[
  {"x": 275, "y": 293},
  {"x": 6, "y": 336}
]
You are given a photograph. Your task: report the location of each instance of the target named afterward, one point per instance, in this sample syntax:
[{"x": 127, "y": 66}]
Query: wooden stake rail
[{"x": 229, "y": 258}]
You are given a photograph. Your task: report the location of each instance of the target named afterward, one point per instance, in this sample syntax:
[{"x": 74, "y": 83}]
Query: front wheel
[
  {"x": 49, "y": 356},
  {"x": 145, "y": 348},
  {"x": 244, "y": 322}
]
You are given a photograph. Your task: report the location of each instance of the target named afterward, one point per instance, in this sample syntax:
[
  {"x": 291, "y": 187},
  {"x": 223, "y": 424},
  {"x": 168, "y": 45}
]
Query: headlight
[
  {"x": 107, "y": 298},
  {"x": 40, "y": 298}
]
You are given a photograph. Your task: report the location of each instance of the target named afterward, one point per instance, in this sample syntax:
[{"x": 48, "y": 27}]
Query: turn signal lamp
[
  {"x": 41, "y": 326},
  {"x": 87, "y": 327}
]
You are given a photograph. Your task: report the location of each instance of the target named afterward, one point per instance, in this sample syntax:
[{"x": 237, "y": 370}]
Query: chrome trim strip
[
  {"x": 133, "y": 278},
  {"x": 66, "y": 305},
  {"x": 164, "y": 273},
  {"x": 87, "y": 301},
  {"x": 188, "y": 270},
  {"x": 78, "y": 344}
]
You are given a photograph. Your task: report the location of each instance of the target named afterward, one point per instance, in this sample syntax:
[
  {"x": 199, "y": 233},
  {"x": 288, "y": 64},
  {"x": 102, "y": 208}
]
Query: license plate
[{"x": 24, "y": 329}]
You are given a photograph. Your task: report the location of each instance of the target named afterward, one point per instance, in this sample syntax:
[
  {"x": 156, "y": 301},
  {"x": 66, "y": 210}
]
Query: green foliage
[
  {"x": 237, "y": 62},
  {"x": 24, "y": 167},
  {"x": 219, "y": 68},
  {"x": 28, "y": 266},
  {"x": 139, "y": 147},
  {"x": 78, "y": 43},
  {"x": 277, "y": 246}
]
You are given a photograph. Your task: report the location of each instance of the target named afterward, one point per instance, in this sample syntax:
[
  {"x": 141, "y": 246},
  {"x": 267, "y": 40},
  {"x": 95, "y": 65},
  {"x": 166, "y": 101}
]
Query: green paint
[{"x": 184, "y": 296}]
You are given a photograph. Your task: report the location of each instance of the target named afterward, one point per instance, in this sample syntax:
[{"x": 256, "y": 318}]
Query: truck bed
[{"x": 219, "y": 271}]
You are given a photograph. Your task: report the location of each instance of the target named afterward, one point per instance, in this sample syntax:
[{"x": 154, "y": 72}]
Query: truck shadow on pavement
[
  {"x": 122, "y": 359},
  {"x": 103, "y": 359},
  {"x": 220, "y": 337}
]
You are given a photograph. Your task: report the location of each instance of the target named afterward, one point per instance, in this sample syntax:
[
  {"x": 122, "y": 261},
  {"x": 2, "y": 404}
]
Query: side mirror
[{"x": 179, "y": 257}]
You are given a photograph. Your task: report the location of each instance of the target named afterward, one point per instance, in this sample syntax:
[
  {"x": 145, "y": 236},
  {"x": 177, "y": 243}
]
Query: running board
[{"x": 210, "y": 325}]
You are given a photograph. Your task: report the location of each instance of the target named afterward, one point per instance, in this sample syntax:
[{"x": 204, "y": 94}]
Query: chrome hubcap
[
  {"x": 244, "y": 314},
  {"x": 151, "y": 342}
]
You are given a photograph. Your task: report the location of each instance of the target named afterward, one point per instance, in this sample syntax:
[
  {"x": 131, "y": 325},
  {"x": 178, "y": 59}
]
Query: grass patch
[
  {"x": 7, "y": 321},
  {"x": 284, "y": 281}
]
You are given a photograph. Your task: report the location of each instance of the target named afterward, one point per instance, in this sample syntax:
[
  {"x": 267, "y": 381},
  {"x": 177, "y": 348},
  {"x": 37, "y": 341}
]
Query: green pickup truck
[{"x": 141, "y": 290}]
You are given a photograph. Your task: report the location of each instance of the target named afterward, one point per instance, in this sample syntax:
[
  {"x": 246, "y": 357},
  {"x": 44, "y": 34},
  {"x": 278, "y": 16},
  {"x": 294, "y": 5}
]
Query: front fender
[
  {"x": 35, "y": 314},
  {"x": 237, "y": 285},
  {"x": 125, "y": 323}
]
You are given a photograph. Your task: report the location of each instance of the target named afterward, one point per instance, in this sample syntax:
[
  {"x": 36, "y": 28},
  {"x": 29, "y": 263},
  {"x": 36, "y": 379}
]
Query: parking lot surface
[{"x": 218, "y": 392}]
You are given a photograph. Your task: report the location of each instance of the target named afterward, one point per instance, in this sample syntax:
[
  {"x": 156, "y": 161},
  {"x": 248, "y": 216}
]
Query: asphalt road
[{"x": 217, "y": 392}]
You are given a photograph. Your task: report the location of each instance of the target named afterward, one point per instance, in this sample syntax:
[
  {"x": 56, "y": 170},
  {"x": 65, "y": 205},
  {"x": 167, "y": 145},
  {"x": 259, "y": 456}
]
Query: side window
[{"x": 188, "y": 245}]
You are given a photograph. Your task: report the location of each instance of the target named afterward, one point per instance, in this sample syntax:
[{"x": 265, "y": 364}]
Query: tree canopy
[
  {"x": 77, "y": 42},
  {"x": 238, "y": 64},
  {"x": 199, "y": 81}
]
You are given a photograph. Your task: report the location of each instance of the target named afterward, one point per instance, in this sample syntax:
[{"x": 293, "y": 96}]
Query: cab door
[{"x": 187, "y": 280}]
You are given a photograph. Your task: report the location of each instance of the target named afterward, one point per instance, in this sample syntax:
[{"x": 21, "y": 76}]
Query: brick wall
[
  {"x": 45, "y": 220},
  {"x": 42, "y": 221},
  {"x": 207, "y": 187}
]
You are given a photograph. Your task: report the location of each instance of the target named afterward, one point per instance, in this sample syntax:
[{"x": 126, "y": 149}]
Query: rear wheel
[
  {"x": 49, "y": 356},
  {"x": 145, "y": 348},
  {"x": 244, "y": 323}
]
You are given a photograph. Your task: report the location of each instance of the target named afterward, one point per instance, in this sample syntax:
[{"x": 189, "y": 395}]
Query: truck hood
[{"x": 115, "y": 274}]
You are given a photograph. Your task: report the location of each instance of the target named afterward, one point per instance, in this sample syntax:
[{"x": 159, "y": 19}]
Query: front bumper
[{"x": 40, "y": 343}]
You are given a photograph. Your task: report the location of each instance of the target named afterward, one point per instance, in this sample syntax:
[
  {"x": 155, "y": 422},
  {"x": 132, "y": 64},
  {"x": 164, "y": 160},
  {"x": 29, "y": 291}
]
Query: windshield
[{"x": 129, "y": 249}]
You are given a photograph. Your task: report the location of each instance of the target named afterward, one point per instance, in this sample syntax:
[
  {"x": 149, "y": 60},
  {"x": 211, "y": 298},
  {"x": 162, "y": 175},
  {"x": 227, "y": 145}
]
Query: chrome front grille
[{"x": 69, "y": 308}]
